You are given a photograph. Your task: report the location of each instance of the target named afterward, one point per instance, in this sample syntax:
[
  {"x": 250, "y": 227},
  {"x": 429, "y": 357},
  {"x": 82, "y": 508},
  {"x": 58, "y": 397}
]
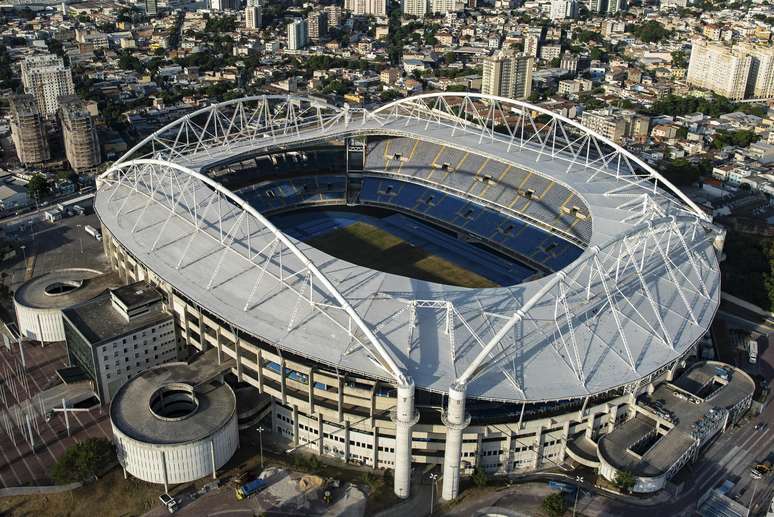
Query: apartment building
[
  {"x": 80, "y": 136},
  {"x": 45, "y": 77},
  {"x": 28, "y": 130},
  {"x": 507, "y": 75}
]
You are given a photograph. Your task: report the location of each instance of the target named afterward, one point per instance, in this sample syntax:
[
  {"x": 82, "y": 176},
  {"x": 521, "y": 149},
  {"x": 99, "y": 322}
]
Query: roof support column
[
  {"x": 404, "y": 416},
  {"x": 295, "y": 425},
  {"x": 259, "y": 360},
  {"x": 320, "y": 435},
  {"x": 456, "y": 420},
  {"x": 375, "y": 451},
  {"x": 538, "y": 447},
  {"x": 311, "y": 391},
  {"x": 565, "y": 440},
  {"x": 340, "y": 399},
  {"x": 611, "y": 419},
  {"x": 346, "y": 441}
]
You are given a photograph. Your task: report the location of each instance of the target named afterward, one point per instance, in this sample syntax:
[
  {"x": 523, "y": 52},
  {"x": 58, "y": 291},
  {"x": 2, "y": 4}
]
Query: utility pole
[
  {"x": 579, "y": 479},
  {"x": 260, "y": 441},
  {"x": 433, "y": 478}
]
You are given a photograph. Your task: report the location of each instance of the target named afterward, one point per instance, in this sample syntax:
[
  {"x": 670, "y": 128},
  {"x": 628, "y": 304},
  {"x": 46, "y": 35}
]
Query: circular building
[
  {"x": 39, "y": 302},
  {"x": 173, "y": 424}
]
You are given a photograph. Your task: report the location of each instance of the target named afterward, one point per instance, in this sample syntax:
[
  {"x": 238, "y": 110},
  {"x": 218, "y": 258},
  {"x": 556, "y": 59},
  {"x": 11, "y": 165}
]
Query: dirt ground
[{"x": 110, "y": 496}]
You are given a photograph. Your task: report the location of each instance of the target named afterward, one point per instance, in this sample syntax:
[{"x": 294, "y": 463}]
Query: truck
[
  {"x": 752, "y": 351},
  {"x": 169, "y": 502},
  {"x": 93, "y": 232},
  {"x": 760, "y": 470},
  {"x": 250, "y": 488}
]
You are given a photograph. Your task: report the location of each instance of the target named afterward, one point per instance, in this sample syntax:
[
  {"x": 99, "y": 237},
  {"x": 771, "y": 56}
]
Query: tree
[
  {"x": 741, "y": 138},
  {"x": 624, "y": 480},
  {"x": 479, "y": 477},
  {"x": 83, "y": 461},
  {"x": 37, "y": 187},
  {"x": 555, "y": 505},
  {"x": 650, "y": 32},
  {"x": 679, "y": 59}
]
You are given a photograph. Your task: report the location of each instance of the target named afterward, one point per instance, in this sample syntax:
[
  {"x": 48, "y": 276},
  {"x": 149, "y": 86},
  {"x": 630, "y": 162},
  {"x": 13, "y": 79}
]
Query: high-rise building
[
  {"x": 416, "y": 8},
  {"x": 760, "y": 82},
  {"x": 28, "y": 130},
  {"x": 298, "y": 34},
  {"x": 334, "y": 15},
  {"x": 151, "y": 7},
  {"x": 614, "y": 6},
  {"x": 607, "y": 6},
  {"x": 46, "y": 78},
  {"x": 445, "y": 6},
  {"x": 531, "y": 45},
  {"x": 366, "y": 7},
  {"x": 80, "y": 136},
  {"x": 253, "y": 17},
  {"x": 225, "y": 5},
  {"x": 317, "y": 24},
  {"x": 721, "y": 69},
  {"x": 507, "y": 75},
  {"x": 563, "y": 9}
]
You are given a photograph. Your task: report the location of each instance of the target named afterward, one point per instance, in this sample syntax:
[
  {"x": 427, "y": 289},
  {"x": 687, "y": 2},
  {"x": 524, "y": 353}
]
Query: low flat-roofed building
[
  {"x": 119, "y": 334},
  {"x": 670, "y": 426}
]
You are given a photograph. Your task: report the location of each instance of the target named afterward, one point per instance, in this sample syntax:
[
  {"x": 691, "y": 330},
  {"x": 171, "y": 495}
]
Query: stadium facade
[{"x": 609, "y": 275}]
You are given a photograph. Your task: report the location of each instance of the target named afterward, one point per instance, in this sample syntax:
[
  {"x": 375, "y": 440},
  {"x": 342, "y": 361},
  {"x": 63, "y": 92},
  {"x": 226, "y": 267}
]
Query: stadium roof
[{"x": 644, "y": 291}]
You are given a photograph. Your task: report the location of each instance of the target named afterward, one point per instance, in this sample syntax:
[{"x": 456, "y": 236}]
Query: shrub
[
  {"x": 479, "y": 477},
  {"x": 554, "y": 505},
  {"x": 83, "y": 461},
  {"x": 624, "y": 480}
]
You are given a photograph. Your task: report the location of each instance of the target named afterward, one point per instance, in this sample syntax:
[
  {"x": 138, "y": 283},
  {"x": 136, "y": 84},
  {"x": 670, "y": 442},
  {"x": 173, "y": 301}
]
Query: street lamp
[
  {"x": 433, "y": 477},
  {"x": 260, "y": 441},
  {"x": 80, "y": 237},
  {"x": 579, "y": 479}
]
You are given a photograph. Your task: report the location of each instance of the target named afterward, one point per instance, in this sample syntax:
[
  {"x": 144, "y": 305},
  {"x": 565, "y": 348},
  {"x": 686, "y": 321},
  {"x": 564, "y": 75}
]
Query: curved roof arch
[{"x": 639, "y": 297}]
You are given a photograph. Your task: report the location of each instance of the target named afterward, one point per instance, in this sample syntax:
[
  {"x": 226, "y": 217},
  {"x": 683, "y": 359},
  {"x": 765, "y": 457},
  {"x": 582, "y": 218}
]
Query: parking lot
[
  {"x": 40, "y": 247},
  {"x": 287, "y": 493},
  {"x": 48, "y": 246}
]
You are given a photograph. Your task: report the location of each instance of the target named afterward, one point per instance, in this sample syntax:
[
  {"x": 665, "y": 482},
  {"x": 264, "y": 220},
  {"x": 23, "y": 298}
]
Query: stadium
[{"x": 448, "y": 279}]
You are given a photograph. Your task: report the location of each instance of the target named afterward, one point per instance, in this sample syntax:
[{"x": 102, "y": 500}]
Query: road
[{"x": 730, "y": 457}]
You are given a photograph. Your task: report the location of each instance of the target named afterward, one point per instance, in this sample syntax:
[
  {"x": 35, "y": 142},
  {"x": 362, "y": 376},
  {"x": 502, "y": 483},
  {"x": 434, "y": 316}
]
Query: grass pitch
[{"x": 366, "y": 245}]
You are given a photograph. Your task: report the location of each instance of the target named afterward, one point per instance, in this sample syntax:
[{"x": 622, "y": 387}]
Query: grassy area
[
  {"x": 366, "y": 245},
  {"x": 110, "y": 496}
]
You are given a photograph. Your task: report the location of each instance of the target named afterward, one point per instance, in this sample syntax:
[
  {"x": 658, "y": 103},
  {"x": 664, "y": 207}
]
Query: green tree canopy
[
  {"x": 555, "y": 505},
  {"x": 38, "y": 187},
  {"x": 624, "y": 480},
  {"x": 741, "y": 138},
  {"x": 83, "y": 461},
  {"x": 650, "y": 32}
]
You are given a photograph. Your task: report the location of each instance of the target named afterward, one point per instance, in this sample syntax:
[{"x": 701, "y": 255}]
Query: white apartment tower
[
  {"x": 416, "y": 8},
  {"x": 507, "y": 75},
  {"x": 445, "y": 6},
  {"x": 718, "y": 68},
  {"x": 366, "y": 7},
  {"x": 607, "y": 6},
  {"x": 298, "y": 34},
  {"x": 760, "y": 83},
  {"x": 45, "y": 77},
  {"x": 253, "y": 17},
  {"x": 563, "y": 9}
]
